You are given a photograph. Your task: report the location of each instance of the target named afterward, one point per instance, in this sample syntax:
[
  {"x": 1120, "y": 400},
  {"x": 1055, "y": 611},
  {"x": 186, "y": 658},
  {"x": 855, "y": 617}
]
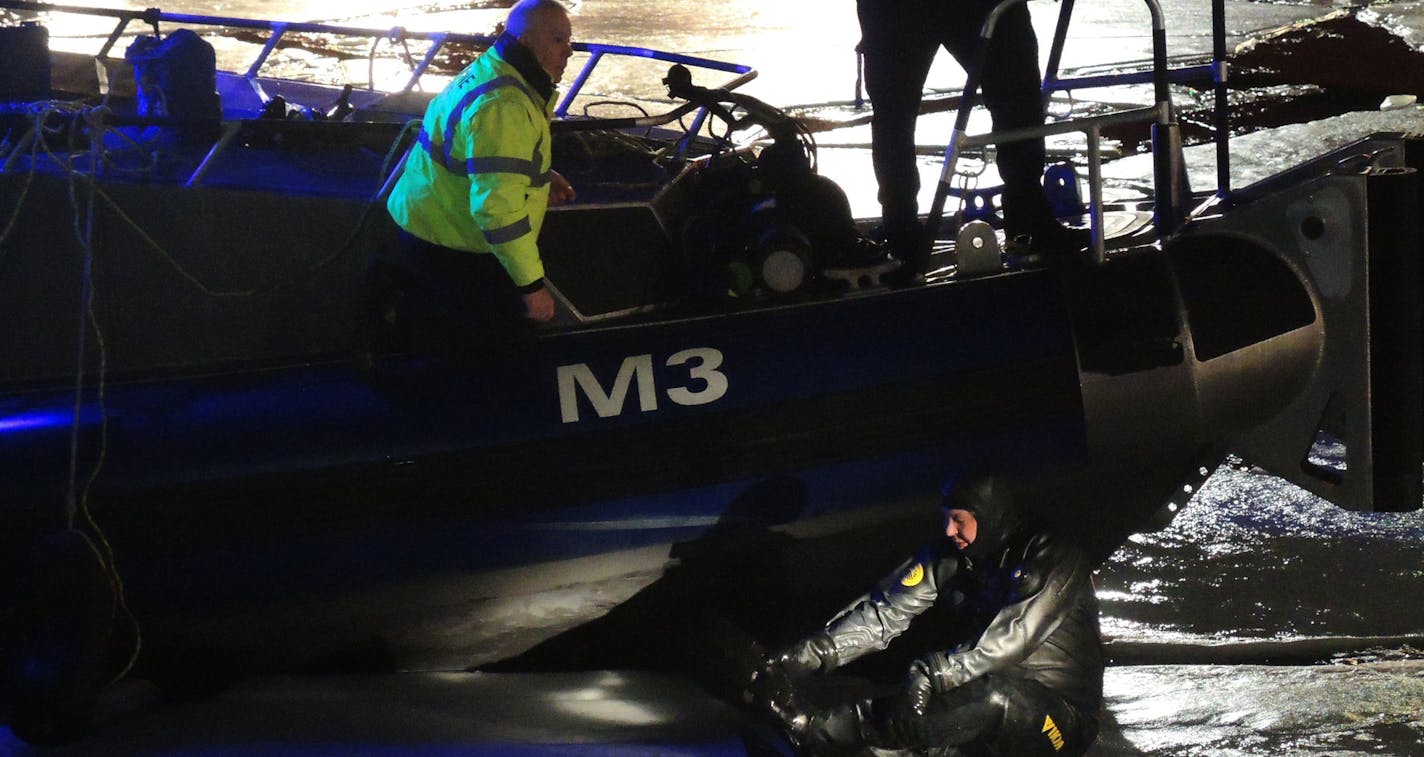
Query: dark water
[{"x": 1253, "y": 557}]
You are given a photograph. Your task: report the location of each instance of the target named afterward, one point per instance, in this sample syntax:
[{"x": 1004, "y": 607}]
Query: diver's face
[
  {"x": 550, "y": 38},
  {"x": 961, "y": 527}
]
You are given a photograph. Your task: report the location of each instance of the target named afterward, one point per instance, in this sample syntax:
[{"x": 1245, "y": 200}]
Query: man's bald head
[
  {"x": 544, "y": 27},
  {"x": 527, "y": 14}
]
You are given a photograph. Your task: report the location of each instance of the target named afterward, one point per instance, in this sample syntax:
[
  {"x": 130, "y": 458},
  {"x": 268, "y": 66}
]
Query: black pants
[
  {"x": 451, "y": 303},
  {"x": 997, "y": 716},
  {"x": 899, "y": 39}
]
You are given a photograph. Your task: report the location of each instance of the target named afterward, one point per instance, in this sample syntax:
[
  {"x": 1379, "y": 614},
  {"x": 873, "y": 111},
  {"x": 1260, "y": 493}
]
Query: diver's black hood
[{"x": 995, "y": 512}]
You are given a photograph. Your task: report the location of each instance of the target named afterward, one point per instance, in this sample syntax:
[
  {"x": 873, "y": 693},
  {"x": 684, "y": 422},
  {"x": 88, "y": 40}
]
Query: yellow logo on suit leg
[{"x": 1055, "y": 737}]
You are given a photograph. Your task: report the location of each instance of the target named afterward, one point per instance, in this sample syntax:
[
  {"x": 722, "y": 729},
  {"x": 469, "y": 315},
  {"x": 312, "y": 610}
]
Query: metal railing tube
[
  {"x": 1166, "y": 165},
  {"x": 230, "y": 130},
  {"x": 1055, "y": 51},
  {"x": 1095, "y": 196},
  {"x": 436, "y": 43},
  {"x": 1222, "y": 115},
  {"x": 578, "y": 82},
  {"x": 957, "y": 135}
]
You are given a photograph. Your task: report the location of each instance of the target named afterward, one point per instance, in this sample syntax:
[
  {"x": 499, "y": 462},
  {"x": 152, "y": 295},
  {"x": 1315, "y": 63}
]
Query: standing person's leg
[
  {"x": 1011, "y": 86},
  {"x": 898, "y": 50},
  {"x": 1013, "y": 94}
]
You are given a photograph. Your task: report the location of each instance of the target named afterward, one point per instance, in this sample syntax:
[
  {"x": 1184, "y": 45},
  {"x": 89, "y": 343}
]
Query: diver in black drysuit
[
  {"x": 1021, "y": 675},
  {"x": 899, "y": 41}
]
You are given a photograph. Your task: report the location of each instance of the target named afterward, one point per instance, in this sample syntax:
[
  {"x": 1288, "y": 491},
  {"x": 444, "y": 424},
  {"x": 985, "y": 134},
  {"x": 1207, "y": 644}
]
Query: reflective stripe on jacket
[{"x": 478, "y": 178}]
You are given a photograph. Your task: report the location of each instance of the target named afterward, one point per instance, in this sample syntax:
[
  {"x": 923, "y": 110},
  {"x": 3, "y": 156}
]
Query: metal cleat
[{"x": 977, "y": 249}]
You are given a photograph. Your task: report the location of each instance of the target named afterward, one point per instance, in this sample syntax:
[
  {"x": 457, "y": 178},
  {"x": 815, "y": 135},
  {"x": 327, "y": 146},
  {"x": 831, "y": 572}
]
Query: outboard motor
[{"x": 769, "y": 226}]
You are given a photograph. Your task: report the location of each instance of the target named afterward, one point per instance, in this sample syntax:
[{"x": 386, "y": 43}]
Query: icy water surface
[{"x": 1255, "y": 558}]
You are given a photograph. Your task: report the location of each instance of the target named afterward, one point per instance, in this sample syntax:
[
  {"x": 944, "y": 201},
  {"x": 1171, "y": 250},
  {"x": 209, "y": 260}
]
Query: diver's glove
[
  {"x": 906, "y": 722},
  {"x": 814, "y": 654},
  {"x": 916, "y": 691},
  {"x": 773, "y": 687},
  {"x": 773, "y": 693}
]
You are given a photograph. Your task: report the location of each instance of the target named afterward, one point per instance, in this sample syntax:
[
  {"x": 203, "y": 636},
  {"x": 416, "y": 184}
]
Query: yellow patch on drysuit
[{"x": 913, "y": 575}]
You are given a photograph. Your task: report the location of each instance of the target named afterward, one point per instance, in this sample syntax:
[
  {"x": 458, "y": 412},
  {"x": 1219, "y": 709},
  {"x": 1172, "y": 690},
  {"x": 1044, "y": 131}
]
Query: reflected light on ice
[
  {"x": 1216, "y": 710},
  {"x": 603, "y": 702}
]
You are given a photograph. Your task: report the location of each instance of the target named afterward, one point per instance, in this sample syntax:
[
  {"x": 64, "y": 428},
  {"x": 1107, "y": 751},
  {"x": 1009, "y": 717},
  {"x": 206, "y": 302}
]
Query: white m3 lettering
[{"x": 706, "y": 384}]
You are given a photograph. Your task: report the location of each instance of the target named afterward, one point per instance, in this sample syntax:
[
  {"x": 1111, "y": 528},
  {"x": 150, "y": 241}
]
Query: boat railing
[
  {"x": 1169, "y": 194},
  {"x": 437, "y": 41},
  {"x": 1092, "y": 127}
]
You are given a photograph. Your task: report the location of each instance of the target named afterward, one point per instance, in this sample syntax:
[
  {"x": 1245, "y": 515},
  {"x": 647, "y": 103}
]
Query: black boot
[
  {"x": 1046, "y": 242},
  {"x": 907, "y": 242},
  {"x": 1033, "y": 236}
]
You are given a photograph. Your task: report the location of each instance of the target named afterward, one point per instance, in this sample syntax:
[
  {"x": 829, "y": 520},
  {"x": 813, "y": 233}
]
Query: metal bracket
[
  {"x": 976, "y": 249},
  {"x": 1357, "y": 240}
]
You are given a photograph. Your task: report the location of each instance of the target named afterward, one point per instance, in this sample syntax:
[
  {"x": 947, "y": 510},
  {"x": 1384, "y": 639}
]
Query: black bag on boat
[
  {"x": 176, "y": 76},
  {"x": 25, "y": 73}
]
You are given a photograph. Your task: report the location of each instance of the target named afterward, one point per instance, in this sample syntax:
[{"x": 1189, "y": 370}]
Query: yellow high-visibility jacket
[{"x": 478, "y": 179}]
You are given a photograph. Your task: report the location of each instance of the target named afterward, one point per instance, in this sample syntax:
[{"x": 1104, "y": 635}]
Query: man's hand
[
  {"x": 539, "y": 305},
  {"x": 907, "y": 724},
  {"x": 560, "y": 190},
  {"x": 774, "y": 693},
  {"x": 915, "y": 693},
  {"x": 811, "y": 655},
  {"x": 773, "y": 686}
]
